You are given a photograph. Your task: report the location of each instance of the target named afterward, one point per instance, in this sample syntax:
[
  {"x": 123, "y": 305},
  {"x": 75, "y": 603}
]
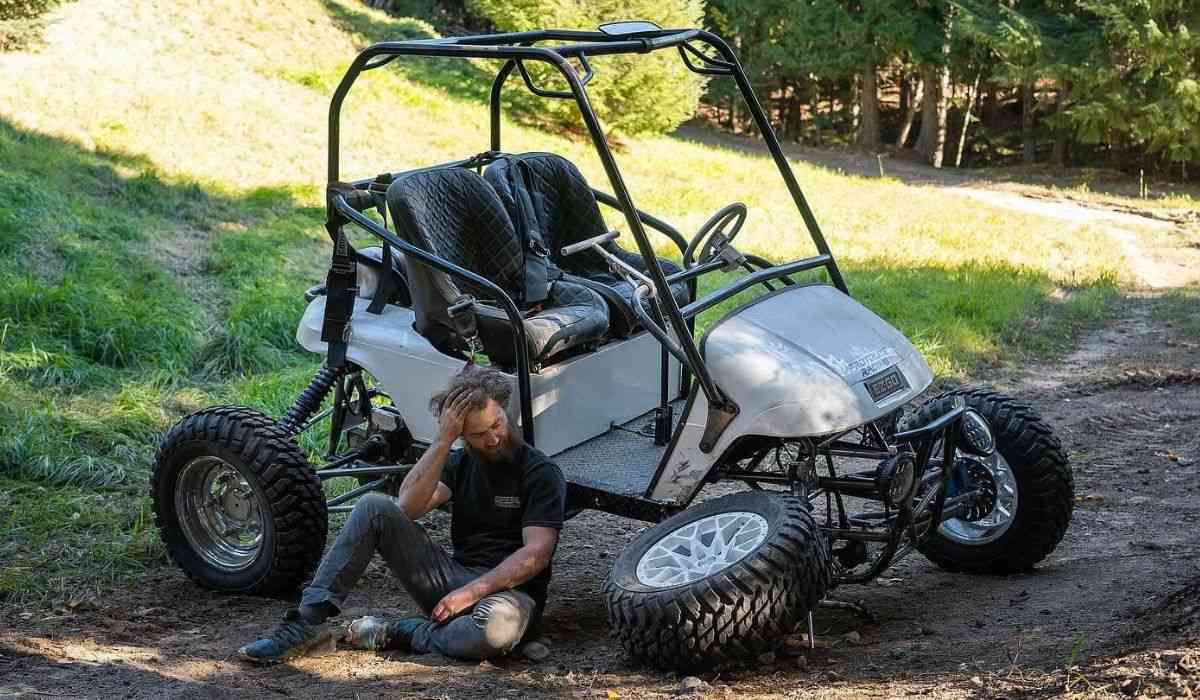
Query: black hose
[{"x": 310, "y": 399}]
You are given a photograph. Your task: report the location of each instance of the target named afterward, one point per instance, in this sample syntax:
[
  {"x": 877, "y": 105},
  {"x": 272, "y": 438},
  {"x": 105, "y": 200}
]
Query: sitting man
[{"x": 507, "y": 504}]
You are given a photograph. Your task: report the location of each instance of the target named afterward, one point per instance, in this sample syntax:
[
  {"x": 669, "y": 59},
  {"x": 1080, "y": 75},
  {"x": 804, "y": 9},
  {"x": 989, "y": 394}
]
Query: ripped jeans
[{"x": 493, "y": 627}]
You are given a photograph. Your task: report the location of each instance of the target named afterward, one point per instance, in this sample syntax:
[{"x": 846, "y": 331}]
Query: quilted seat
[
  {"x": 453, "y": 213},
  {"x": 564, "y": 211}
]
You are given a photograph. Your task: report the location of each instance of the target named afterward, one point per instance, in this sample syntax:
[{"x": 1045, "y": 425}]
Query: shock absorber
[{"x": 310, "y": 399}]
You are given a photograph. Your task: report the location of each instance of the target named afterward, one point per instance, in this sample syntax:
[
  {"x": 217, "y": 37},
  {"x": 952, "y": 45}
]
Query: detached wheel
[
  {"x": 1029, "y": 489},
  {"x": 237, "y": 504},
  {"x": 718, "y": 583}
]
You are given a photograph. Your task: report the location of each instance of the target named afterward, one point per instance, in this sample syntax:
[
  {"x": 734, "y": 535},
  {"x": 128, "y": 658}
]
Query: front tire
[
  {"x": 718, "y": 583},
  {"x": 237, "y": 504},
  {"x": 1045, "y": 490}
]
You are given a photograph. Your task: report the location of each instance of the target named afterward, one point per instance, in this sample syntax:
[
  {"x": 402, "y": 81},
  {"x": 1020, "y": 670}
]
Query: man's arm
[
  {"x": 421, "y": 491},
  {"x": 517, "y": 568}
]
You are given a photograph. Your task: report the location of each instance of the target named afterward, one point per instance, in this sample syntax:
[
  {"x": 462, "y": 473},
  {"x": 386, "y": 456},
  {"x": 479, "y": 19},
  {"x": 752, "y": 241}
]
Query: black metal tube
[
  {"x": 494, "y": 101},
  {"x": 364, "y": 470},
  {"x": 666, "y": 301},
  {"x": 785, "y": 170},
  {"x": 649, "y": 219},
  {"x": 743, "y": 283},
  {"x": 850, "y": 487},
  {"x": 838, "y": 533},
  {"x": 510, "y": 308},
  {"x": 354, "y": 493}
]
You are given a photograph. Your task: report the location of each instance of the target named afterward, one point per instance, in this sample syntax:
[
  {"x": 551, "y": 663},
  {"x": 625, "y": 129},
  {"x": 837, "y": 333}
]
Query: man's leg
[
  {"x": 378, "y": 524},
  {"x": 493, "y": 628}
]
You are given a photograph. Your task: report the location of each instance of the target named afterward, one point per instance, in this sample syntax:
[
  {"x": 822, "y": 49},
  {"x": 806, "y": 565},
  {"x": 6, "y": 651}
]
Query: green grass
[
  {"x": 1179, "y": 308},
  {"x": 62, "y": 544},
  {"x": 157, "y": 237}
]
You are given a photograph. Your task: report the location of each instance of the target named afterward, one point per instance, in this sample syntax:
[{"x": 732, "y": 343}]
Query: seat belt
[
  {"x": 537, "y": 268},
  {"x": 387, "y": 276},
  {"x": 341, "y": 285}
]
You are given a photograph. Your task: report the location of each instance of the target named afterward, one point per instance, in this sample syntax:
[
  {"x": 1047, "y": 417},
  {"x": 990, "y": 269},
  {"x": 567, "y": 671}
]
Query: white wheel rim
[
  {"x": 996, "y": 522},
  {"x": 701, "y": 548}
]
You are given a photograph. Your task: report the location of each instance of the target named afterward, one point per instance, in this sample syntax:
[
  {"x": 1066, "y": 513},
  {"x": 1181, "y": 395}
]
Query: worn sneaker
[
  {"x": 382, "y": 634},
  {"x": 294, "y": 637}
]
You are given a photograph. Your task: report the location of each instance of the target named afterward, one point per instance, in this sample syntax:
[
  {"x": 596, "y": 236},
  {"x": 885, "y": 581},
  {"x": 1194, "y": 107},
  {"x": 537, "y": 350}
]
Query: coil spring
[{"x": 310, "y": 399}]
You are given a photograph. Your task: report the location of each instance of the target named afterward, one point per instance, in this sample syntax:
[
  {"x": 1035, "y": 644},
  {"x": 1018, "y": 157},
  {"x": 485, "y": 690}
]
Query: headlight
[
  {"x": 975, "y": 435},
  {"x": 896, "y": 478}
]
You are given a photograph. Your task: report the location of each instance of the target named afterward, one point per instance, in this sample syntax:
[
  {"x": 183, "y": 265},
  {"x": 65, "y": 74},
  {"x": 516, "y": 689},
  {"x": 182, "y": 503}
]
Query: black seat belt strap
[
  {"x": 341, "y": 285},
  {"x": 537, "y": 255},
  {"x": 386, "y": 287}
]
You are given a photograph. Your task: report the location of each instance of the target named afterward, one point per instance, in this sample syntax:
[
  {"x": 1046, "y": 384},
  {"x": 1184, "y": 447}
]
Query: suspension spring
[{"x": 310, "y": 399}]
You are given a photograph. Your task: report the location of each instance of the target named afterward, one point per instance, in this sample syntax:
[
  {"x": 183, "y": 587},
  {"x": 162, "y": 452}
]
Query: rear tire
[
  {"x": 701, "y": 619},
  {"x": 1045, "y": 488},
  {"x": 237, "y": 504}
]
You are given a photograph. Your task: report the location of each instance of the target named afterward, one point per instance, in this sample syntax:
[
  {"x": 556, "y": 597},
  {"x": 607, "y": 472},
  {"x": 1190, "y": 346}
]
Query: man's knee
[
  {"x": 502, "y": 623},
  {"x": 376, "y": 503}
]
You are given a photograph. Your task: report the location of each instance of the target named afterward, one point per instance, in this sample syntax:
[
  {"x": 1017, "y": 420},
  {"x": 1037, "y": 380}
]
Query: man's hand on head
[{"x": 454, "y": 413}]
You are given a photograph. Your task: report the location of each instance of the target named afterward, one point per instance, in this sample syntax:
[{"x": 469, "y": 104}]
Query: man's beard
[{"x": 504, "y": 452}]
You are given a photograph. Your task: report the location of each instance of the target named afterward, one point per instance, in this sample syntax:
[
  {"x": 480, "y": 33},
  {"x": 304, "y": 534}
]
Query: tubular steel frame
[{"x": 517, "y": 48}]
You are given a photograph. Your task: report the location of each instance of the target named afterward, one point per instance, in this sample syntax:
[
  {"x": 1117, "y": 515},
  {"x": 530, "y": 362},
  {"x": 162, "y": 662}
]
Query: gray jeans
[{"x": 494, "y": 626}]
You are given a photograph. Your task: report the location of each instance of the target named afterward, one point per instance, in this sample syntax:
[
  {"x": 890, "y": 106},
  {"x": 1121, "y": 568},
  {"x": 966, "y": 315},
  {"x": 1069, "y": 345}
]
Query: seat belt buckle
[{"x": 462, "y": 318}]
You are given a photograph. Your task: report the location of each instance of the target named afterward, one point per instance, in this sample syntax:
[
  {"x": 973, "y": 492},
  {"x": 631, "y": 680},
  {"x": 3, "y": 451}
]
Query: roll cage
[{"x": 346, "y": 202}]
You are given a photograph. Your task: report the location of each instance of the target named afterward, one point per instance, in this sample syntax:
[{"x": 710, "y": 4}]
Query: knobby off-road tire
[
  {"x": 1045, "y": 488},
  {"x": 733, "y": 613},
  {"x": 248, "y": 470}
]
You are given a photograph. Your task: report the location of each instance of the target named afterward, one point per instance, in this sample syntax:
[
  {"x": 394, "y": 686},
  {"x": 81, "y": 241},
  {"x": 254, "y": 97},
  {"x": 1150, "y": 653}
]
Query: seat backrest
[
  {"x": 453, "y": 213},
  {"x": 563, "y": 206}
]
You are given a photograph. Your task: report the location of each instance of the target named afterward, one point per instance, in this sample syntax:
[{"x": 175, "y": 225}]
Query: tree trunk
[
  {"x": 962, "y": 139},
  {"x": 1059, "y": 155},
  {"x": 989, "y": 114},
  {"x": 850, "y": 108},
  {"x": 910, "y": 111},
  {"x": 814, "y": 110},
  {"x": 868, "y": 135},
  {"x": 1028, "y": 146},
  {"x": 932, "y": 142}
]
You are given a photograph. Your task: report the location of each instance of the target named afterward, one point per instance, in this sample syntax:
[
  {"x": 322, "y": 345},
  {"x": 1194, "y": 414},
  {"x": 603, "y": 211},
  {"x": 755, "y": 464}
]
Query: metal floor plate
[{"x": 618, "y": 461}]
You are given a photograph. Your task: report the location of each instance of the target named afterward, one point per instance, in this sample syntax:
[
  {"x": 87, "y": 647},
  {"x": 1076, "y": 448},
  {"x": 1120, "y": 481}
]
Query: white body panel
[
  {"x": 796, "y": 364},
  {"x": 573, "y": 401}
]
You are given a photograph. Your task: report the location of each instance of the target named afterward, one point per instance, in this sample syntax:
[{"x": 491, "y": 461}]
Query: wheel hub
[
  {"x": 220, "y": 513},
  {"x": 701, "y": 548},
  {"x": 991, "y": 514}
]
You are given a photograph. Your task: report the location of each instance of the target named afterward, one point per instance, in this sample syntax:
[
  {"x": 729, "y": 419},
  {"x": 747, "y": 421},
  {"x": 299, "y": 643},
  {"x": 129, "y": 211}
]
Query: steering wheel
[{"x": 717, "y": 223}]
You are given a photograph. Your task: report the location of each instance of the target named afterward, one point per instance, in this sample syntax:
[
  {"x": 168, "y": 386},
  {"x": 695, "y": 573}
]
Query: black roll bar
[{"x": 516, "y": 47}]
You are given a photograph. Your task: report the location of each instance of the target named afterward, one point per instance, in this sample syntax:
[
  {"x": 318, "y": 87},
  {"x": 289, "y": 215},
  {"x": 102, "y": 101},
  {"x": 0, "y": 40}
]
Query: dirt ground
[{"x": 1115, "y": 610}]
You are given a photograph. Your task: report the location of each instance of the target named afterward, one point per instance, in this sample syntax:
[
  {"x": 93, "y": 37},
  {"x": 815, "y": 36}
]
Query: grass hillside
[{"x": 161, "y": 170}]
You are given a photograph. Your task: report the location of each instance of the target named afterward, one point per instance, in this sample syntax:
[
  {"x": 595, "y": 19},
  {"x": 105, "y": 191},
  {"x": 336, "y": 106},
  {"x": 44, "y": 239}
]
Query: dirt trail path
[
  {"x": 1119, "y": 598},
  {"x": 1161, "y": 252}
]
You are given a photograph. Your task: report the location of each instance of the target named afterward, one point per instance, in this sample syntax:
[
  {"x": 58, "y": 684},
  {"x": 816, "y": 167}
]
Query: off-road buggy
[{"x": 802, "y": 394}]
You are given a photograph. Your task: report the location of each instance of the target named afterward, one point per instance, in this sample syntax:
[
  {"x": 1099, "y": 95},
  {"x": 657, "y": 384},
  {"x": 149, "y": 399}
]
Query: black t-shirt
[{"x": 491, "y": 502}]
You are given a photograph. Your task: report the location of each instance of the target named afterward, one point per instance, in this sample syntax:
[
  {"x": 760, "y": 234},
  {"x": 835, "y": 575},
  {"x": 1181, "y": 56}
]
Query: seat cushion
[{"x": 571, "y": 317}]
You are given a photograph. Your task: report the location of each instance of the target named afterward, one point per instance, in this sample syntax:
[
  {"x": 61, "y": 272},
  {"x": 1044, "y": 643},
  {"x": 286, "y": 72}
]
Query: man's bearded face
[{"x": 488, "y": 436}]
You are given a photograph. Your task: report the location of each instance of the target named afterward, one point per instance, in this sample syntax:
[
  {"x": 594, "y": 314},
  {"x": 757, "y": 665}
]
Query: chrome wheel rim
[
  {"x": 1004, "y": 508},
  {"x": 701, "y": 548},
  {"x": 220, "y": 513}
]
